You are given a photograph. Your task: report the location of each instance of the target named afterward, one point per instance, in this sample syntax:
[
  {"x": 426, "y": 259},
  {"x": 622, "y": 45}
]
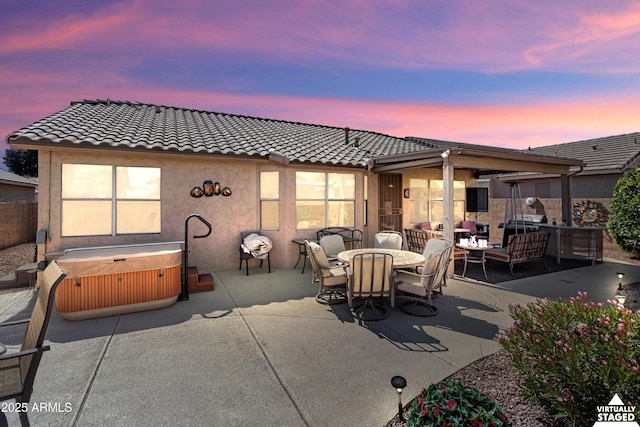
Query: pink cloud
[{"x": 484, "y": 36}]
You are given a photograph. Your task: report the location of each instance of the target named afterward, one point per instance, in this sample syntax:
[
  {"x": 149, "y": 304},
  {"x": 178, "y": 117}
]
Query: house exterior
[
  {"x": 118, "y": 172},
  {"x": 18, "y": 209},
  {"x": 16, "y": 188},
  {"x": 605, "y": 159}
]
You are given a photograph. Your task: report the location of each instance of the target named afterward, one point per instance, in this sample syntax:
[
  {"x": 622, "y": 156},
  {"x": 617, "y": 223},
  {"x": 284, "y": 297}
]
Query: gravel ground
[
  {"x": 493, "y": 376},
  {"x": 15, "y": 257}
]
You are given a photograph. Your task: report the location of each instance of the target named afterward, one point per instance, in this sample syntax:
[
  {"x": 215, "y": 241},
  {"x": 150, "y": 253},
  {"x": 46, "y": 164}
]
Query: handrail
[{"x": 184, "y": 295}]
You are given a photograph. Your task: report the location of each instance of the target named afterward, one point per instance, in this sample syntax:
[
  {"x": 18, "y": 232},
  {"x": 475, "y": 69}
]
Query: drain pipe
[{"x": 184, "y": 295}]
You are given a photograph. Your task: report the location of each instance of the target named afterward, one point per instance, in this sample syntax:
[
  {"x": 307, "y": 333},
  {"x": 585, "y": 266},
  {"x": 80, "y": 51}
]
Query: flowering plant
[
  {"x": 449, "y": 404},
  {"x": 575, "y": 355}
]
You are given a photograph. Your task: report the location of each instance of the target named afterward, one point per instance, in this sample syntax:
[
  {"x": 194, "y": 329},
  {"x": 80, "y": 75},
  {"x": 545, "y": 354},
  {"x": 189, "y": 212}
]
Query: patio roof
[{"x": 481, "y": 159}]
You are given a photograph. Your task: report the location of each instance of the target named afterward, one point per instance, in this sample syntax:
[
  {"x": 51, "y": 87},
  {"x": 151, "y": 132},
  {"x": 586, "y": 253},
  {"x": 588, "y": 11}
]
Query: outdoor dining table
[{"x": 401, "y": 258}]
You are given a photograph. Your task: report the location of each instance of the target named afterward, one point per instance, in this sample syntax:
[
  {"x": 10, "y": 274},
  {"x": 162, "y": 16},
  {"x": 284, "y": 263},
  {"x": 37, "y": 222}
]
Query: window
[
  {"x": 109, "y": 200},
  {"x": 419, "y": 201},
  {"x": 270, "y": 200},
  {"x": 436, "y": 197},
  {"x": 325, "y": 200}
]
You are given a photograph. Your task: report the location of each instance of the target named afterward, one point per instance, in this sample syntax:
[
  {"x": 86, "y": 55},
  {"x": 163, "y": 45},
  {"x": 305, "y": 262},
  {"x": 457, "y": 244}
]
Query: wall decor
[
  {"x": 217, "y": 189},
  {"x": 197, "y": 192},
  {"x": 407, "y": 193},
  {"x": 590, "y": 214},
  {"x": 207, "y": 186},
  {"x": 226, "y": 191}
]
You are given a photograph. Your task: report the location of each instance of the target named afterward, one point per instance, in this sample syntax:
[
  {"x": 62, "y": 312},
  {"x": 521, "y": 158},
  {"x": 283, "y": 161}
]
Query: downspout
[{"x": 567, "y": 207}]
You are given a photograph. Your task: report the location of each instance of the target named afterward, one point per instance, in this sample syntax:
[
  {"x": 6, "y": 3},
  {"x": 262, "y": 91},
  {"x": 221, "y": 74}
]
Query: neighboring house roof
[
  {"x": 10, "y": 178},
  {"x": 131, "y": 125},
  {"x": 611, "y": 154}
]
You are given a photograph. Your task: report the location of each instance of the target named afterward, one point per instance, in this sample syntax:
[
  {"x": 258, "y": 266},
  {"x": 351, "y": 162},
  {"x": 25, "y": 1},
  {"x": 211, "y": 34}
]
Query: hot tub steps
[{"x": 199, "y": 282}]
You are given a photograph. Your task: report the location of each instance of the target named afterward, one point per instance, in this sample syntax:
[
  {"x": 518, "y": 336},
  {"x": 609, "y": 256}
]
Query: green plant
[
  {"x": 574, "y": 355},
  {"x": 449, "y": 404},
  {"x": 625, "y": 213}
]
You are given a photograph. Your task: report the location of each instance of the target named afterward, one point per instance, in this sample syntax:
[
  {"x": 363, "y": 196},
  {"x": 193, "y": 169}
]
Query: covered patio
[
  {"x": 260, "y": 350},
  {"x": 472, "y": 162}
]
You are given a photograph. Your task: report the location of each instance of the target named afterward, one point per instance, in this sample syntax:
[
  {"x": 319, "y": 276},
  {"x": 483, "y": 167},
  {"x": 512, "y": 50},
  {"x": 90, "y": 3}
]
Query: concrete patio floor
[{"x": 259, "y": 351}]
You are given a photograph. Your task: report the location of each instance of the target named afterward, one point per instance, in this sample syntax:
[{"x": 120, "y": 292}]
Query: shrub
[
  {"x": 450, "y": 403},
  {"x": 575, "y": 355},
  {"x": 625, "y": 212}
]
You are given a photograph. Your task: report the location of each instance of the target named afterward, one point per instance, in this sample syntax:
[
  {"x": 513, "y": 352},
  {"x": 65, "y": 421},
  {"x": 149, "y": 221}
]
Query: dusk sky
[{"x": 503, "y": 73}]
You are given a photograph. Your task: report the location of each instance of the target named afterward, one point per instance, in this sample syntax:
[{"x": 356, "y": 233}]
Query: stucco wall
[{"x": 228, "y": 215}]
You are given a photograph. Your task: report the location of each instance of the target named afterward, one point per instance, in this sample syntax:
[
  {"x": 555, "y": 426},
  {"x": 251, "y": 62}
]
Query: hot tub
[{"x": 104, "y": 281}]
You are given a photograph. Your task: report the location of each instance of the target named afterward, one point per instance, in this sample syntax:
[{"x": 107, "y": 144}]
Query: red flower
[
  {"x": 451, "y": 404},
  {"x": 436, "y": 411},
  {"x": 423, "y": 412},
  {"x": 476, "y": 423},
  {"x": 446, "y": 425}
]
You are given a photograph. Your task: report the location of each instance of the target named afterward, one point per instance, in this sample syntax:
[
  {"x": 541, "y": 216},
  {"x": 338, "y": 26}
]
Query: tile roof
[
  {"x": 611, "y": 154},
  {"x": 123, "y": 124}
]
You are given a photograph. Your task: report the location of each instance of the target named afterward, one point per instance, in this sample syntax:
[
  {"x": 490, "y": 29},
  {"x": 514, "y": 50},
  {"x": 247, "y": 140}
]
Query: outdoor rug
[{"x": 498, "y": 272}]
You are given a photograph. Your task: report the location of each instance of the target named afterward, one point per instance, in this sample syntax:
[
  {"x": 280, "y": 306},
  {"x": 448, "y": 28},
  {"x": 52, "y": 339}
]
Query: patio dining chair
[
  {"x": 388, "y": 240},
  {"x": 417, "y": 287},
  {"x": 370, "y": 277},
  {"x": 331, "y": 281},
  {"x": 332, "y": 245},
  {"x": 258, "y": 247},
  {"x": 18, "y": 370}
]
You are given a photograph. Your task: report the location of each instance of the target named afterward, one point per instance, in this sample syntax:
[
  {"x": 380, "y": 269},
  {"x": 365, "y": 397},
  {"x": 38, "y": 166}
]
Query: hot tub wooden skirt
[
  {"x": 111, "y": 289},
  {"x": 88, "y": 297}
]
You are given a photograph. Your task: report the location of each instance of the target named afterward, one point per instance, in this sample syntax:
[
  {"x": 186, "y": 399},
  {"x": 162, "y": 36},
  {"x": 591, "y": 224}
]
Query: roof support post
[
  {"x": 447, "y": 196},
  {"x": 565, "y": 185}
]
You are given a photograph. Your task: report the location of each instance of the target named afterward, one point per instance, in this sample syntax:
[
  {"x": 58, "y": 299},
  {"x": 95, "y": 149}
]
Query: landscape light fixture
[
  {"x": 620, "y": 276},
  {"x": 621, "y": 299},
  {"x": 399, "y": 383}
]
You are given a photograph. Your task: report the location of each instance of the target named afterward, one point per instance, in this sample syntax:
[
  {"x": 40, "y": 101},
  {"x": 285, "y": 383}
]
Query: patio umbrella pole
[{"x": 184, "y": 295}]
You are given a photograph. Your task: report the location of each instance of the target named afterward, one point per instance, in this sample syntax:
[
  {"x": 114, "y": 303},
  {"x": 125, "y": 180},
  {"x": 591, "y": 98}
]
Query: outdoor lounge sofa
[{"x": 521, "y": 248}]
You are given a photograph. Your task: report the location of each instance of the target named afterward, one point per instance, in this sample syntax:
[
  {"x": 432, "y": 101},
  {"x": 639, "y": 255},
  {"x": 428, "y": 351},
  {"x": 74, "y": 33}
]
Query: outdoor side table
[
  {"x": 302, "y": 251},
  {"x": 476, "y": 256}
]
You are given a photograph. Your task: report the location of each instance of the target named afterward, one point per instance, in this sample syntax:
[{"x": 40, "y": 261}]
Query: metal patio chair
[
  {"x": 418, "y": 287},
  {"x": 18, "y": 370},
  {"x": 370, "y": 278}
]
